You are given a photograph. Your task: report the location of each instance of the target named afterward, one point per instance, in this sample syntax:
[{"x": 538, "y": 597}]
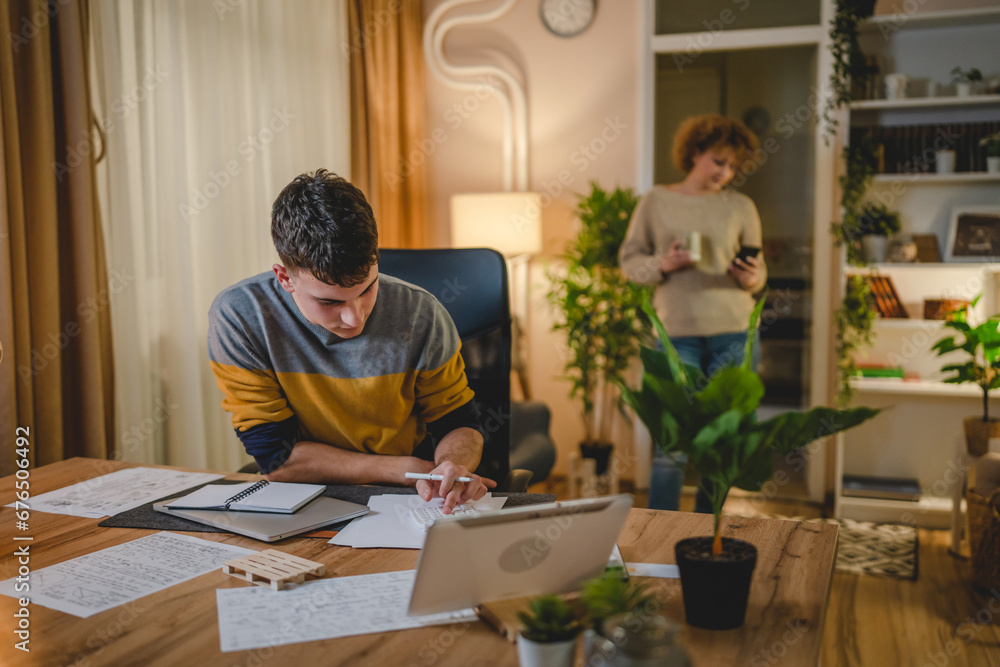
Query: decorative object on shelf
[
  {"x": 874, "y": 225},
  {"x": 992, "y": 145},
  {"x": 981, "y": 345},
  {"x": 928, "y": 249},
  {"x": 549, "y": 632},
  {"x": 567, "y": 18},
  {"x": 895, "y": 86},
  {"x": 963, "y": 80},
  {"x": 854, "y": 320},
  {"x": 851, "y": 69},
  {"x": 887, "y": 300},
  {"x": 944, "y": 309},
  {"x": 713, "y": 420},
  {"x": 944, "y": 161},
  {"x": 974, "y": 235},
  {"x": 902, "y": 249},
  {"x": 598, "y": 310}
]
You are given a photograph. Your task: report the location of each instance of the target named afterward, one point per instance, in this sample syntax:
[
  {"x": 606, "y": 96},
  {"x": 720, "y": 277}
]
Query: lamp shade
[{"x": 506, "y": 221}]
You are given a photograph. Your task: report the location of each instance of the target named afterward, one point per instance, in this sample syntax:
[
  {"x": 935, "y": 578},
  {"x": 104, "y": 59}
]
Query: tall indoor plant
[
  {"x": 981, "y": 345},
  {"x": 598, "y": 311},
  {"x": 713, "y": 421}
]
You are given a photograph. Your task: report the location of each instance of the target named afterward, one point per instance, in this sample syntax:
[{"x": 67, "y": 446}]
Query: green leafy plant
[
  {"x": 598, "y": 309},
  {"x": 959, "y": 75},
  {"x": 876, "y": 218},
  {"x": 851, "y": 69},
  {"x": 610, "y": 595},
  {"x": 860, "y": 162},
  {"x": 982, "y": 345},
  {"x": 714, "y": 419},
  {"x": 992, "y": 144},
  {"x": 854, "y": 319},
  {"x": 549, "y": 619}
]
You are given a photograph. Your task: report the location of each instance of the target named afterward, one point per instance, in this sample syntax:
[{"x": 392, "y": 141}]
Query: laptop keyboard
[{"x": 425, "y": 516}]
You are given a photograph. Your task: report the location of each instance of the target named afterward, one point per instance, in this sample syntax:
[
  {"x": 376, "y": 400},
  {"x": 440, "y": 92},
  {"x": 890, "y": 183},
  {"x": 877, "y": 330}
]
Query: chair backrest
[{"x": 471, "y": 283}]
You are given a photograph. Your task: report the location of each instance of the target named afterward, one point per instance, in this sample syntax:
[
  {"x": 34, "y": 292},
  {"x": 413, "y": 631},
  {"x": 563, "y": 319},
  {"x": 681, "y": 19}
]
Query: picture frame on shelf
[{"x": 974, "y": 234}]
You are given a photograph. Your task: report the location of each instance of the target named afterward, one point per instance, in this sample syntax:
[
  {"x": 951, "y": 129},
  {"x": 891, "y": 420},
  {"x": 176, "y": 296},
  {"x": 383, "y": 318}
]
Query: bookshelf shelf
[
  {"x": 921, "y": 103},
  {"x": 938, "y": 179},
  {"x": 888, "y": 23},
  {"x": 914, "y": 388}
]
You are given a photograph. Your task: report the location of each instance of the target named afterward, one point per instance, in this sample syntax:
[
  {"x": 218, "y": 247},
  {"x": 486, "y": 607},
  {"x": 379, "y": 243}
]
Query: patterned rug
[{"x": 886, "y": 549}]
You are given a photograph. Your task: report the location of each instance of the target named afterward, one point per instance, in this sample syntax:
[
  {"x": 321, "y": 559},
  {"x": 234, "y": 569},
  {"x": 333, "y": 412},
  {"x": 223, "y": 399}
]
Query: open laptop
[
  {"x": 531, "y": 550},
  {"x": 272, "y": 527}
]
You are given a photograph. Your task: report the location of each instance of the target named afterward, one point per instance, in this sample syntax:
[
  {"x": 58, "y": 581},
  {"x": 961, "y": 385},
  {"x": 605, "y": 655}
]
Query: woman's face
[{"x": 714, "y": 168}]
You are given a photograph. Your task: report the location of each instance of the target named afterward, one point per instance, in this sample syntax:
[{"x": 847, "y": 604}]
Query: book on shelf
[
  {"x": 887, "y": 301},
  {"x": 882, "y": 488},
  {"x": 880, "y": 371}
]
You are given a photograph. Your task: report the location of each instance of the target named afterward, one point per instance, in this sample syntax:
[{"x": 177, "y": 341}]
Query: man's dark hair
[{"x": 322, "y": 224}]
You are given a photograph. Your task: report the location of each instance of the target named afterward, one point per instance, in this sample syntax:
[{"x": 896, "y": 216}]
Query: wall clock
[{"x": 567, "y": 18}]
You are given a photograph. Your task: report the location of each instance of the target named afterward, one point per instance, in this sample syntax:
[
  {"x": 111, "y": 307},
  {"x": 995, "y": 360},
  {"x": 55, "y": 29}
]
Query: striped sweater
[{"x": 286, "y": 379}]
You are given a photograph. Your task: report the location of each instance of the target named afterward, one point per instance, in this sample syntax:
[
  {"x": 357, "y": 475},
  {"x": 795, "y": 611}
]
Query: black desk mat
[{"x": 145, "y": 516}]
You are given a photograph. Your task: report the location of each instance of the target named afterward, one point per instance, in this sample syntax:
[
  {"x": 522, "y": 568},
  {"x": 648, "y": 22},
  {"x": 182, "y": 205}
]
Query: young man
[{"x": 334, "y": 373}]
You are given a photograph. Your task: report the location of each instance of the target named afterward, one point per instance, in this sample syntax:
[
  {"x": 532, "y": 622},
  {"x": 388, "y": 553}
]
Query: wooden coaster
[{"x": 273, "y": 568}]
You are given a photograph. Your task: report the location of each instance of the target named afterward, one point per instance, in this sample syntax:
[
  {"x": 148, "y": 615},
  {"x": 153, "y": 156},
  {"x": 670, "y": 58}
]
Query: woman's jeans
[{"x": 709, "y": 353}]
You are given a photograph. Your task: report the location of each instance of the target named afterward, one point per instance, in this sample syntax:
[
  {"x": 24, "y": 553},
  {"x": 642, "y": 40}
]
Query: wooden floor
[{"x": 936, "y": 621}]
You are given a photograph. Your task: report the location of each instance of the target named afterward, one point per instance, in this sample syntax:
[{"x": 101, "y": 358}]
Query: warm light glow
[{"x": 506, "y": 221}]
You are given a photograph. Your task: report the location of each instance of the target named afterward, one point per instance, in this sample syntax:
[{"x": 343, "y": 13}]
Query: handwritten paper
[
  {"x": 111, "y": 577},
  {"x": 388, "y": 525},
  {"x": 258, "y": 617},
  {"x": 118, "y": 491}
]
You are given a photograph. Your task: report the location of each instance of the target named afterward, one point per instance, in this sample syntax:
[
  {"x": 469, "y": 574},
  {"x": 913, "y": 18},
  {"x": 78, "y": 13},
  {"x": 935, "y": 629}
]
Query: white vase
[
  {"x": 944, "y": 162},
  {"x": 873, "y": 248},
  {"x": 993, "y": 164},
  {"x": 963, "y": 89},
  {"x": 545, "y": 654}
]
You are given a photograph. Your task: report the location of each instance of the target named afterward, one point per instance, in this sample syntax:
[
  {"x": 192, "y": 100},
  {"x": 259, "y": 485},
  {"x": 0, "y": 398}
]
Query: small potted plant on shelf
[
  {"x": 963, "y": 80},
  {"x": 548, "y": 633},
  {"x": 981, "y": 345},
  {"x": 713, "y": 420},
  {"x": 874, "y": 224},
  {"x": 992, "y": 145}
]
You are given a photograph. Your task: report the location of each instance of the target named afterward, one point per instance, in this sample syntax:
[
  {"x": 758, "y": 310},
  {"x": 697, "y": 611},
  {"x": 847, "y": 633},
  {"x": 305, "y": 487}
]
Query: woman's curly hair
[{"x": 710, "y": 132}]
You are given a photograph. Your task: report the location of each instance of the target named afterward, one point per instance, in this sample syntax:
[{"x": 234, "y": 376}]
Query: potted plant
[
  {"x": 981, "y": 345},
  {"x": 598, "y": 310},
  {"x": 992, "y": 145},
  {"x": 963, "y": 80},
  {"x": 873, "y": 225},
  {"x": 851, "y": 69},
  {"x": 610, "y": 595},
  {"x": 713, "y": 420},
  {"x": 548, "y": 635}
]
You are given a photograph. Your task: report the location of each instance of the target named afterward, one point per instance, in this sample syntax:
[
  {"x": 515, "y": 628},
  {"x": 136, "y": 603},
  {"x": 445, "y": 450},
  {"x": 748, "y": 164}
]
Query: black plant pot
[
  {"x": 600, "y": 452},
  {"x": 715, "y": 588}
]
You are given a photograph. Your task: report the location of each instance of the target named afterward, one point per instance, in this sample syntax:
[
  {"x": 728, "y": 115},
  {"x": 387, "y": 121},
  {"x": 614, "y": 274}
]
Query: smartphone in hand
[{"x": 746, "y": 252}]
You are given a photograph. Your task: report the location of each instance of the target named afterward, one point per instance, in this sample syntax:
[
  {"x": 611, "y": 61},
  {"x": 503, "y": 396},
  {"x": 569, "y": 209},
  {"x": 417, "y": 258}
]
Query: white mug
[
  {"x": 895, "y": 86},
  {"x": 692, "y": 243}
]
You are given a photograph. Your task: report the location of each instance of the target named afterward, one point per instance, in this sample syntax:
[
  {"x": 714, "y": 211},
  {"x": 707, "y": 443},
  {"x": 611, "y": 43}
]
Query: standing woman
[{"x": 704, "y": 291}]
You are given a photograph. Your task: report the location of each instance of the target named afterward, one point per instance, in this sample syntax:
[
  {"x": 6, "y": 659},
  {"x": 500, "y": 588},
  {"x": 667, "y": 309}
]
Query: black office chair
[{"x": 471, "y": 283}]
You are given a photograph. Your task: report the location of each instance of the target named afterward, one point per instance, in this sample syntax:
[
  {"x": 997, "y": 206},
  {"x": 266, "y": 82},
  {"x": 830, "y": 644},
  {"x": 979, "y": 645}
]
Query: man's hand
[
  {"x": 453, "y": 492},
  {"x": 675, "y": 258},
  {"x": 746, "y": 271}
]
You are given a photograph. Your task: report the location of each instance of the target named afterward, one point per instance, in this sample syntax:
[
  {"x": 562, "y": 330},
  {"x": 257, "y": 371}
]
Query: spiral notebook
[{"x": 262, "y": 496}]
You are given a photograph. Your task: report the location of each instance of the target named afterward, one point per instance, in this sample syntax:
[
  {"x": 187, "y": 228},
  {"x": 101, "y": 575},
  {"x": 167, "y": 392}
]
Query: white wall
[{"x": 583, "y": 125}]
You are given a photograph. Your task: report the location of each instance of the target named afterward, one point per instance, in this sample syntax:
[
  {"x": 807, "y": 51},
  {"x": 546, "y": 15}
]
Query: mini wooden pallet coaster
[{"x": 273, "y": 568}]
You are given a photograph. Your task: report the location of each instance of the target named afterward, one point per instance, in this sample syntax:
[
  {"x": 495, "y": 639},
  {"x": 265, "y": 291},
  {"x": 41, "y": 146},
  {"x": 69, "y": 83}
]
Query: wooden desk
[{"x": 179, "y": 625}]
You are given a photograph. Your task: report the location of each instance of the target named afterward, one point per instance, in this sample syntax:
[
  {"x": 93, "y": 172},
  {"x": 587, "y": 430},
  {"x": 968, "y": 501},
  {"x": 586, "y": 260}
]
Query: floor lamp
[{"x": 509, "y": 222}]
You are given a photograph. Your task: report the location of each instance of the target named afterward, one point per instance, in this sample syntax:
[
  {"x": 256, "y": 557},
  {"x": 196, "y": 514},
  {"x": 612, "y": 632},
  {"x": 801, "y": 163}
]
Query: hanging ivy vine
[{"x": 851, "y": 70}]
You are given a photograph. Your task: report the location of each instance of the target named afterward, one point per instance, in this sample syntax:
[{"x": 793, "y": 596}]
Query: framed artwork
[{"x": 974, "y": 235}]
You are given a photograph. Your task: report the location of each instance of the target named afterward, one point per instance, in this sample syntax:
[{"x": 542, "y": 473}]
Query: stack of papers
[{"x": 389, "y": 525}]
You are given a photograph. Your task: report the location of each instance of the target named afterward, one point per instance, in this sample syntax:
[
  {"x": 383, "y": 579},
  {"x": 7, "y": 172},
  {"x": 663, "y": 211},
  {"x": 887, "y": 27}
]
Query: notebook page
[
  {"x": 213, "y": 495},
  {"x": 283, "y": 496}
]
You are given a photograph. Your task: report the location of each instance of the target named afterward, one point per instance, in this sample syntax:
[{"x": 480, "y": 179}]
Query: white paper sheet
[
  {"x": 389, "y": 525},
  {"x": 661, "y": 570},
  {"x": 111, "y": 577},
  {"x": 257, "y": 617},
  {"x": 117, "y": 491}
]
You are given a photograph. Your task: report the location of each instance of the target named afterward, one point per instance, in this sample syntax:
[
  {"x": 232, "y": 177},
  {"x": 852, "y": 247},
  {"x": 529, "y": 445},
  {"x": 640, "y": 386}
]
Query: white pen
[{"x": 435, "y": 478}]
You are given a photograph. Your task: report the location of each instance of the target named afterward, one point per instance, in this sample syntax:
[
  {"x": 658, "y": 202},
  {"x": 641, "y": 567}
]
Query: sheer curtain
[{"x": 207, "y": 110}]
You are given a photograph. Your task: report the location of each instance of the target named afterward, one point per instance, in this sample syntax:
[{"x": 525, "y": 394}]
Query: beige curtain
[
  {"x": 56, "y": 373},
  {"x": 388, "y": 154}
]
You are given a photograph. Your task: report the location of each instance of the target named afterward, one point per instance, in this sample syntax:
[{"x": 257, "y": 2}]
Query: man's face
[{"x": 342, "y": 311}]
